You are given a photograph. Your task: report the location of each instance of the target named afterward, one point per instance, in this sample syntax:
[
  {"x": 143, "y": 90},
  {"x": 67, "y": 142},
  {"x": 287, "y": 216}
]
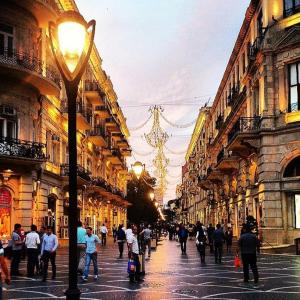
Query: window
[
  {"x": 8, "y": 128},
  {"x": 293, "y": 168},
  {"x": 6, "y": 40},
  {"x": 294, "y": 87},
  {"x": 291, "y": 7},
  {"x": 260, "y": 28}
]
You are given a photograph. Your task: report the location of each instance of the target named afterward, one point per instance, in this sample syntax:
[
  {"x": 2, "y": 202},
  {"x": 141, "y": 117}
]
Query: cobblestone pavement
[{"x": 169, "y": 275}]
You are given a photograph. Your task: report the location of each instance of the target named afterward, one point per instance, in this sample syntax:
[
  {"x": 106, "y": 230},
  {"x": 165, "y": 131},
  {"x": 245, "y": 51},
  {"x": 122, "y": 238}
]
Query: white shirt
[
  {"x": 128, "y": 233},
  {"x": 135, "y": 246},
  {"x": 32, "y": 240},
  {"x": 104, "y": 229}
]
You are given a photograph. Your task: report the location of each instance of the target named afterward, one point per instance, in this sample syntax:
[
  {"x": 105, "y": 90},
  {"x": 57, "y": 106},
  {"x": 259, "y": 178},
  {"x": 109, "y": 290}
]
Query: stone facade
[
  {"x": 252, "y": 134},
  {"x": 33, "y": 130}
]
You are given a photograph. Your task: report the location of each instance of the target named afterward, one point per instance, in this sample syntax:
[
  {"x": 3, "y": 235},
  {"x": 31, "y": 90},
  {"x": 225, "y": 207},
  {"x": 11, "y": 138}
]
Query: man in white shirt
[
  {"x": 133, "y": 248},
  {"x": 104, "y": 232},
  {"x": 32, "y": 242}
]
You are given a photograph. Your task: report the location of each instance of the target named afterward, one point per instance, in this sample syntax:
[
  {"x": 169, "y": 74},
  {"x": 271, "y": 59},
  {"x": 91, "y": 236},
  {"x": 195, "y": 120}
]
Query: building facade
[
  {"x": 251, "y": 162},
  {"x": 33, "y": 129}
]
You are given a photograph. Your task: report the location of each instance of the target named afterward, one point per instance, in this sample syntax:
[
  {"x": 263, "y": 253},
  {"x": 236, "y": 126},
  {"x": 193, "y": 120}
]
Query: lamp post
[
  {"x": 138, "y": 169},
  {"x": 71, "y": 39}
]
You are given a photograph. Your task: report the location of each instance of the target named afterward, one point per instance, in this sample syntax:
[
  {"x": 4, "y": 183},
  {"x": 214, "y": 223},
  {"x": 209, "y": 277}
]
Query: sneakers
[
  {"x": 96, "y": 277},
  {"x": 84, "y": 278}
]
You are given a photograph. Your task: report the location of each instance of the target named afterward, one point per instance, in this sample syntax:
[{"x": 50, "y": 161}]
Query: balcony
[
  {"x": 83, "y": 175},
  {"x": 102, "y": 111},
  {"x": 126, "y": 151},
  {"x": 226, "y": 162},
  {"x": 97, "y": 136},
  {"x": 244, "y": 135},
  {"x": 112, "y": 125},
  {"x": 116, "y": 157},
  {"x": 83, "y": 113},
  {"x": 255, "y": 48},
  {"x": 236, "y": 96},
  {"x": 30, "y": 70},
  {"x": 43, "y": 10},
  {"x": 19, "y": 152},
  {"x": 214, "y": 175},
  {"x": 93, "y": 92}
]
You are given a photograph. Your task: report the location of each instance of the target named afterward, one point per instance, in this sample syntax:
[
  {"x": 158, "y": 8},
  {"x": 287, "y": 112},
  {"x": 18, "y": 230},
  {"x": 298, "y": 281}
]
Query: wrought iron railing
[
  {"x": 22, "y": 149},
  {"x": 84, "y": 110},
  {"x": 292, "y": 10},
  {"x": 81, "y": 172},
  {"x": 101, "y": 108},
  {"x": 97, "y": 131},
  {"x": 244, "y": 125},
  {"x": 255, "y": 47},
  {"x": 92, "y": 85},
  {"x": 219, "y": 122},
  {"x": 23, "y": 60}
]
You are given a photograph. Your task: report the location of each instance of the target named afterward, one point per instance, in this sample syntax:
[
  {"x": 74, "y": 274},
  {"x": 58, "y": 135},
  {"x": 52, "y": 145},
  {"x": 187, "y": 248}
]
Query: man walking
[
  {"x": 133, "y": 248},
  {"x": 17, "y": 245},
  {"x": 210, "y": 232},
  {"x": 91, "y": 253},
  {"x": 49, "y": 246},
  {"x": 183, "y": 235},
  {"x": 32, "y": 242},
  {"x": 147, "y": 232},
  {"x": 218, "y": 238},
  {"x": 81, "y": 247},
  {"x": 104, "y": 232},
  {"x": 248, "y": 244}
]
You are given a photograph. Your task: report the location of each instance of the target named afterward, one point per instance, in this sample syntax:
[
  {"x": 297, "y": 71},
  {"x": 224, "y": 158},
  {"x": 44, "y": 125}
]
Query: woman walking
[
  {"x": 201, "y": 241},
  {"x": 121, "y": 239}
]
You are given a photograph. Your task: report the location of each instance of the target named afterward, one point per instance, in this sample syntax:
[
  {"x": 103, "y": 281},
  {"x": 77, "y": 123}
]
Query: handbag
[
  {"x": 237, "y": 261},
  {"x": 131, "y": 266}
]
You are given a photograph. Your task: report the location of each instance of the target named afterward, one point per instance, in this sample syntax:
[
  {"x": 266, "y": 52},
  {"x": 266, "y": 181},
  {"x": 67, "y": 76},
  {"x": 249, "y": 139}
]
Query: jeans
[
  {"x": 103, "y": 238},
  {"x": 183, "y": 245},
  {"x": 250, "y": 259},
  {"x": 32, "y": 260},
  {"x": 137, "y": 267},
  {"x": 90, "y": 257},
  {"x": 81, "y": 256},
  {"x": 47, "y": 255},
  {"x": 218, "y": 251},
  {"x": 121, "y": 248},
  {"x": 15, "y": 262}
]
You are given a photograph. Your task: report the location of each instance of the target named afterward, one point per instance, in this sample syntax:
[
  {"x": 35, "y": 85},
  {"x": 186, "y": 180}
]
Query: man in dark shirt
[
  {"x": 248, "y": 243},
  {"x": 210, "y": 232},
  {"x": 218, "y": 238}
]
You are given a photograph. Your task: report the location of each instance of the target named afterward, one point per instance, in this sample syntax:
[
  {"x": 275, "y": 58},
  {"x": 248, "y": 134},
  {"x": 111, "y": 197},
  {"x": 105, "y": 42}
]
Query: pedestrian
[
  {"x": 218, "y": 238},
  {"x": 228, "y": 239},
  {"x": 39, "y": 266},
  {"x": 248, "y": 244},
  {"x": 121, "y": 239},
  {"x": 32, "y": 242},
  {"x": 200, "y": 241},
  {"x": 91, "y": 241},
  {"x": 183, "y": 235},
  {"x": 81, "y": 247},
  {"x": 48, "y": 252},
  {"x": 133, "y": 247},
  {"x": 17, "y": 246},
  {"x": 210, "y": 232},
  {"x": 104, "y": 232},
  {"x": 147, "y": 239},
  {"x": 114, "y": 231},
  {"x": 4, "y": 268}
]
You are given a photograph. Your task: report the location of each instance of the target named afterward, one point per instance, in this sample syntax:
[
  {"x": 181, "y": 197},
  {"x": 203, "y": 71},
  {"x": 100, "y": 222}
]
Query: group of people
[
  {"x": 40, "y": 247},
  {"x": 215, "y": 238}
]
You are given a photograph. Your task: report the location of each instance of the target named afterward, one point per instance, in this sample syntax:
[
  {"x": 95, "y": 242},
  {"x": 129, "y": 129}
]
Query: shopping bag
[
  {"x": 131, "y": 266},
  {"x": 237, "y": 261}
]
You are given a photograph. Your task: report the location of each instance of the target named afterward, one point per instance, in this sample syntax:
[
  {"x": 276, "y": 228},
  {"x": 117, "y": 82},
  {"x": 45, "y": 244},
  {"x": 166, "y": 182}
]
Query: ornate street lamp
[
  {"x": 151, "y": 195},
  {"x": 71, "y": 39},
  {"x": 138, "y": 169}
]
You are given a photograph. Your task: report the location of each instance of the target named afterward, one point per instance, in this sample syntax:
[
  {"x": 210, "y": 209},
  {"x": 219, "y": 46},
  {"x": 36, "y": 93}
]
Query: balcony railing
[
  {"x": 219, "y": 122},
  {"x": 81, "y": 172},
  {"x": 244, "y": 125},
  {"x": 292, "y": 10},
  {"x": 255, "y": 47},
  {"x": 92, "y": 85},
  {"x": 97, "y": 181},
  {"x": 234, "y": 94},
  {"x": 84, "y": 110},
  {"x": 22, "y": 149},
  {"x": 97, "y": 131},
  {"x": 220, "y": 156},
  {"x": 31, "y": 63}
]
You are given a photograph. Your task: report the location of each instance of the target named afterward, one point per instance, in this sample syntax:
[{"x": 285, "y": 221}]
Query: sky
[{"x": 168, "y": 52}]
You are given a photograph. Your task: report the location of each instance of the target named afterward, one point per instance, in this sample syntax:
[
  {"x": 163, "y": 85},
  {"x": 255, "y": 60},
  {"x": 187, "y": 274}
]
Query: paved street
[{"x": 170, "y": 276}]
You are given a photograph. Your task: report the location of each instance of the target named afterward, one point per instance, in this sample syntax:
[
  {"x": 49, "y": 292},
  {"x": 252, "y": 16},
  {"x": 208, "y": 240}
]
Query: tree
[{"x": 142, "y": 208}]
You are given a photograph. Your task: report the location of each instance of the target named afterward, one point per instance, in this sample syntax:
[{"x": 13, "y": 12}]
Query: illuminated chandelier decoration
[{"x": 157, "y": 138}]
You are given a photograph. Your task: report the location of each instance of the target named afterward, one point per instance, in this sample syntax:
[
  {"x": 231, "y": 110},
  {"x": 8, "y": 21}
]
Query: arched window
[{"x": 293, "y": 168}]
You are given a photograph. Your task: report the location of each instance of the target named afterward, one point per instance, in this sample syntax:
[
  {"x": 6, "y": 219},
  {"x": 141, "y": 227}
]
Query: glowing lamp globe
[
  {"x": 71, "y": 41},
  {"x": 151, "y": 195},
  {"x": 138, "y": 169}
]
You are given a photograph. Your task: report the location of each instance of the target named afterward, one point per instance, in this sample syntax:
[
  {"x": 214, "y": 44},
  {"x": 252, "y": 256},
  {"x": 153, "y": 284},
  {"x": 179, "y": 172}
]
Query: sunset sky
[{"x": 171, "y": 52}]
